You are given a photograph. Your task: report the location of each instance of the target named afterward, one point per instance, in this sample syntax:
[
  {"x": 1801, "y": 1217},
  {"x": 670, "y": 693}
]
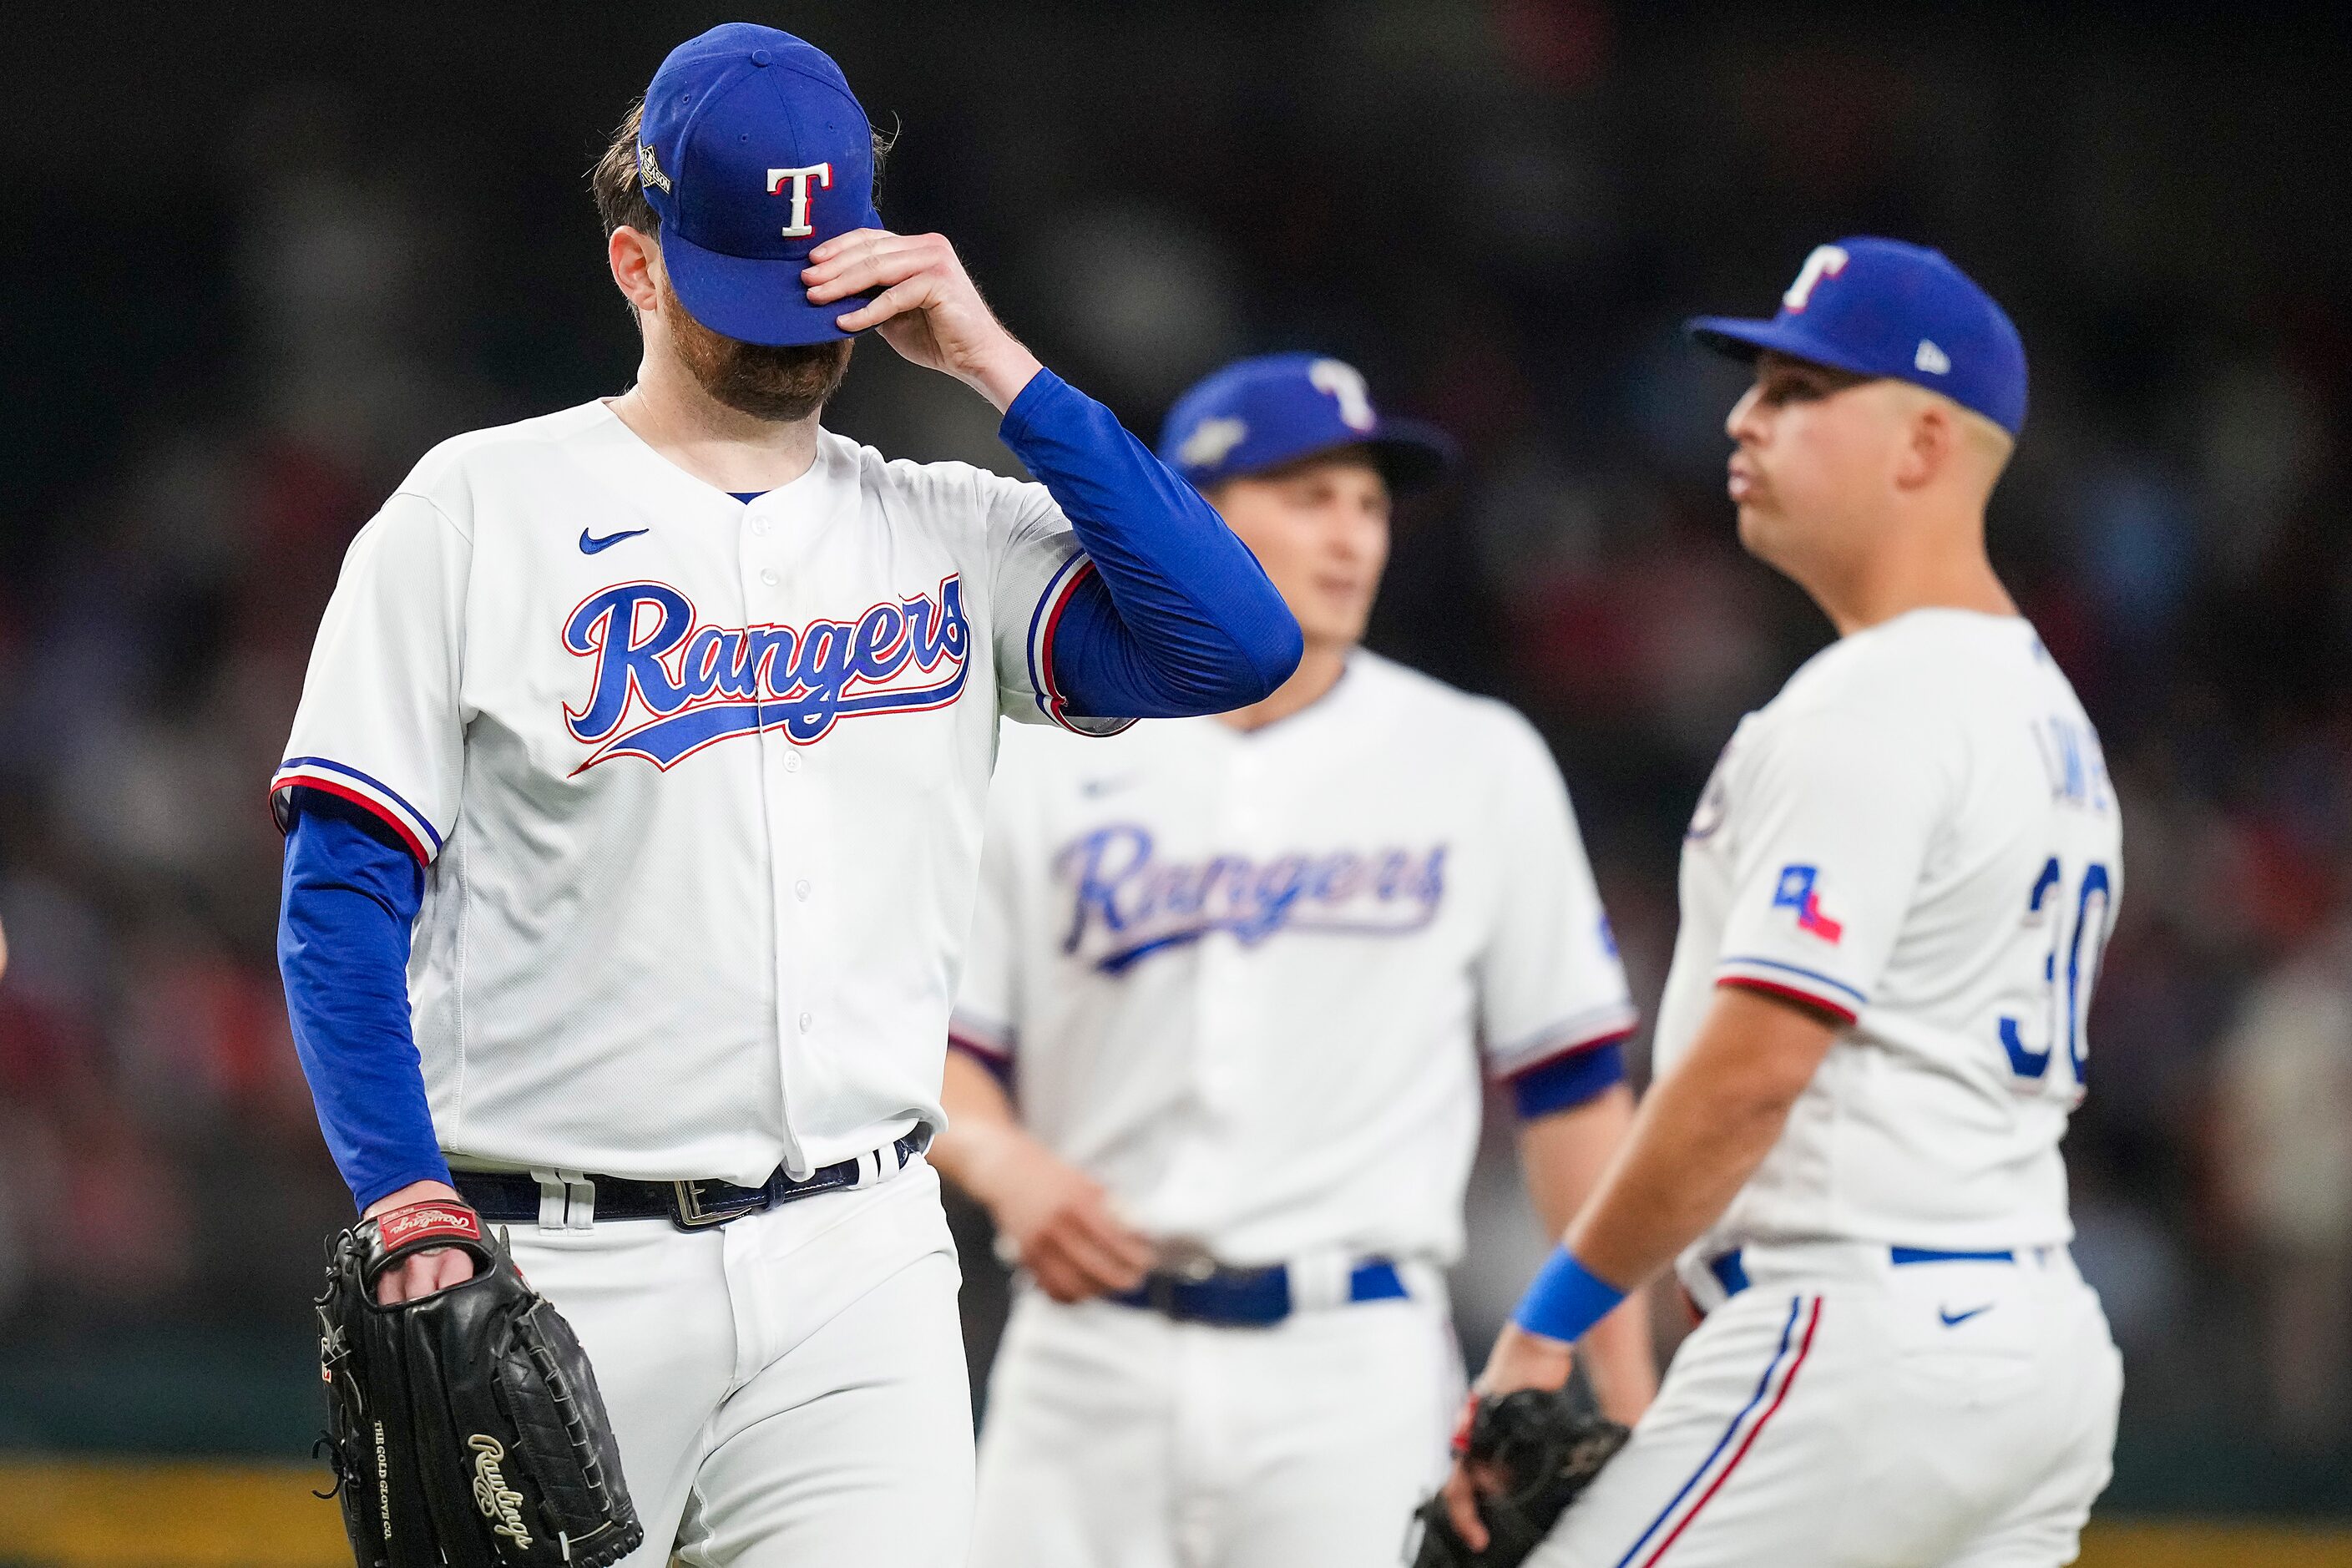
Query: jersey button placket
[
  {"x": 791, "y": 810},
  {"x": 1225, "y": 1006},
  {"x": 1204, "y": 1177}
]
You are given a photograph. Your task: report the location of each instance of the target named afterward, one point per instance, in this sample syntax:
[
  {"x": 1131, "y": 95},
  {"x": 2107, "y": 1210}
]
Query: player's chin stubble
[{"x": 782, "y": 384}]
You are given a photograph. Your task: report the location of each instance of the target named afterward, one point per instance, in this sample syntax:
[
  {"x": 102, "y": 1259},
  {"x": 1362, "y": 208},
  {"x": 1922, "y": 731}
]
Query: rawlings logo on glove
[
  {"x": 498, "y": 1502},
  {"x": 428, "y": 1224}
]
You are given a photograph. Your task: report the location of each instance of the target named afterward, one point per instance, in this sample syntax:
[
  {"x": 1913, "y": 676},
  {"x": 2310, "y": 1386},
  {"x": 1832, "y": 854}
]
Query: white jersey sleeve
[
  {"x": 1549, "y": 980},
  {"x": 381, "y": 722},
  {"x": 1839, "y": 807},
  {"x": 986, "y": 1018},
  {"x": 1037, "y": 566}
]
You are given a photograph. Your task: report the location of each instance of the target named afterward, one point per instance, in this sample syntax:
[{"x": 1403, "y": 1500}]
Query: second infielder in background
[
  {"x": 1241, "y": 976},
  {"x": 1895, "y": 894}
]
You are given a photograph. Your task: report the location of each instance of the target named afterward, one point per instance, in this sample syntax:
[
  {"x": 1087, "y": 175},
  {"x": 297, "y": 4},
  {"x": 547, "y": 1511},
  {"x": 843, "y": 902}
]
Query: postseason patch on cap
[
  {"x": 1210, "y": 440},
  {"x": 650, "y": 169}
]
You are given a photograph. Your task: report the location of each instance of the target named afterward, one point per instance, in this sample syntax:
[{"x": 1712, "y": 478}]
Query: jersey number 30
[{"x": 2083, "y": 940}]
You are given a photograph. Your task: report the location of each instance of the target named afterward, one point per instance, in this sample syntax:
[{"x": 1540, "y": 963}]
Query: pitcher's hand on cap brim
[{"x": 928, "y": 308}]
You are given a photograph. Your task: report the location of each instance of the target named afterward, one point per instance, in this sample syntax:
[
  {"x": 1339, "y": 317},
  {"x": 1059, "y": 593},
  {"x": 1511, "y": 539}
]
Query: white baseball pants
[
  {"x": 788, "y": 1388},
  {"x": 1841, "y": 1412},
  {"x": 1115, "y": 1438}
]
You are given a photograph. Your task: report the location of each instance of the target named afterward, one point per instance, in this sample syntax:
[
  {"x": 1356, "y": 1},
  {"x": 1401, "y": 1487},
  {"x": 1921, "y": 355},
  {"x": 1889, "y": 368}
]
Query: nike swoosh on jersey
[
  {"x": 590, "y": 543},
  {"x": 1954, "y": 1319}
]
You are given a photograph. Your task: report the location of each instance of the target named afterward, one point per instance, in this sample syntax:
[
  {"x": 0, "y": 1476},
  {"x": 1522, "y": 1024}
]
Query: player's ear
[
  {"x": 1929, "y": 443},
  {"x": 635, "y": 261}
]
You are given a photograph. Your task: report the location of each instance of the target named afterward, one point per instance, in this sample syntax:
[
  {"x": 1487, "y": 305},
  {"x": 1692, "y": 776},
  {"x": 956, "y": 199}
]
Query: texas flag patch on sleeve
[{"x": 1798, "y": 889}]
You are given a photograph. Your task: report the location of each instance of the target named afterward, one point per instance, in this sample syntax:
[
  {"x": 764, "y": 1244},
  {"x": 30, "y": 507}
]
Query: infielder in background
[
  {"x": 1228, "y": 994},
  {"x": 664, "y": 726},
  {"x": 1893, "y": 894}
]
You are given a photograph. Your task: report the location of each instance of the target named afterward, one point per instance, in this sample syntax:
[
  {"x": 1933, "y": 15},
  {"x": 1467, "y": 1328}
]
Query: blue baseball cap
[
  {"x": 1882, "y": 307},
  {"x": 754, "y": 151},
  {"x": 1260, "y": 413}
]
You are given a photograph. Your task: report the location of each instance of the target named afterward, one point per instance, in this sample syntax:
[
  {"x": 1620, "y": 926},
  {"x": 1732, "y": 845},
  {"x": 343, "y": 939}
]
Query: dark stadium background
[{"x": 262, "y": 256}]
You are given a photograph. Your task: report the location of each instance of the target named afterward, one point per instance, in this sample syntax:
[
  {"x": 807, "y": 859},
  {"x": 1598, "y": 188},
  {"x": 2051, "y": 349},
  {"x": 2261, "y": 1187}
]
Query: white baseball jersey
[
  {"x": 1246, "y": 979},
  {"x": 1918, "y": 836},
  {"x": 699, "y": 784}
]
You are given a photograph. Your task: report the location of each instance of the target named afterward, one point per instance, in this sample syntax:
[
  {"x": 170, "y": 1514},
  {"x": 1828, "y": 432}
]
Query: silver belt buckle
[{"x": 692, "y": 1216}]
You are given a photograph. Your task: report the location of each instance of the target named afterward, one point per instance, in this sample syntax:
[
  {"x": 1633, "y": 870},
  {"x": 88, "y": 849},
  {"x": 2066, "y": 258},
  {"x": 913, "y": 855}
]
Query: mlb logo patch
[{"x": 1797, "y": 891}]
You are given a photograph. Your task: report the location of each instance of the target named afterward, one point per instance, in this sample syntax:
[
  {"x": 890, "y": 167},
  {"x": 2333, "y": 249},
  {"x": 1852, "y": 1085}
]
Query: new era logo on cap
[
  {"x": 753, "y": 151},
  {"x": 1882, "y": 307}
]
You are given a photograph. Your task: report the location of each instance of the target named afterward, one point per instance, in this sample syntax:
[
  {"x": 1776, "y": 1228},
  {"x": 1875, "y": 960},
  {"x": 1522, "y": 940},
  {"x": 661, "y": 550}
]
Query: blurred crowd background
[{"x": 266, "y": 257}]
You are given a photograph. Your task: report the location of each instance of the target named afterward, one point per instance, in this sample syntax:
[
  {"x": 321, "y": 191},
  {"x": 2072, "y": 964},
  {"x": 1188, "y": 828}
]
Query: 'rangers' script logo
[
  {"x": 664, "y": 685},
  {"x": 1130, "y": 906},
  {"x": 500, "y": 1503}
]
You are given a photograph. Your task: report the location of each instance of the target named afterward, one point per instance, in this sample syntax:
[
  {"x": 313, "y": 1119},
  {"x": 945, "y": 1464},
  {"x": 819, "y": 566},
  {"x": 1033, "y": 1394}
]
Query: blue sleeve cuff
[
  {"x": 1568, "y": 1082},
  {"x": 1021, "y": 415},
  {"x": 1565, "y": 1300}
]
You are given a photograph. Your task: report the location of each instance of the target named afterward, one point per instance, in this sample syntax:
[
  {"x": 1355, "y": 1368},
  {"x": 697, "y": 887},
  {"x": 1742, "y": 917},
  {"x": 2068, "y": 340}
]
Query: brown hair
[{"x": 621, "y": 200}]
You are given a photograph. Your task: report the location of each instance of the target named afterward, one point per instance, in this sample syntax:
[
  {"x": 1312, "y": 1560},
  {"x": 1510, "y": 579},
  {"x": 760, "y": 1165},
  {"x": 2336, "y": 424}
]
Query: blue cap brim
[
  {"x": 1412, "y": 457},
  {"x": 754, "y": 300},
  {"x": 1743, "y": 338}
]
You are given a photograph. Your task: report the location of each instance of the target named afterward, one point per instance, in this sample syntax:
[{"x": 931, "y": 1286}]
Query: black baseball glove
[
  {"x": 464, "y": 1426},
  {"x": 1546, "y": 1446}
]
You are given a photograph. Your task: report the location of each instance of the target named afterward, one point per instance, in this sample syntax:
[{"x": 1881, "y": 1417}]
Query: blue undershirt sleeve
[
  {"x": 351, "y": 896},
  {"x": 1180, "y": 618},
  {"x": 1566, "y": 1082}
]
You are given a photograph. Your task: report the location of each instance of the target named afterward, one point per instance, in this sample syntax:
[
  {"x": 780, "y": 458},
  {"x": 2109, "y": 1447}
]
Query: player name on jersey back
[
  {"x": 698, "y": 782},
  {"x": 1917, "y": 837}
]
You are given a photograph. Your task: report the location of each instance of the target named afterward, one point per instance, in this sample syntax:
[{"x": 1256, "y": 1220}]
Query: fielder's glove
[
  {"x": 464, "y": 1426},
  {"x": 1547, "y": 1448}
]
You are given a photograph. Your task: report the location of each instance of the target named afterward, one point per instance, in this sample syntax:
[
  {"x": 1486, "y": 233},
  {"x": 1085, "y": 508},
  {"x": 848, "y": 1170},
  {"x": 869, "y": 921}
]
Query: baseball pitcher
[
  {"x": 1895, "y": 894},
  {"x": 634, "y": 809},
  {"x": 1231, "y": 989}
]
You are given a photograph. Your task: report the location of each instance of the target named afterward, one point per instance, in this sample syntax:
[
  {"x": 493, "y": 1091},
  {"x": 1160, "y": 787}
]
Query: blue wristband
[{"x": 1565, "y": 1299}]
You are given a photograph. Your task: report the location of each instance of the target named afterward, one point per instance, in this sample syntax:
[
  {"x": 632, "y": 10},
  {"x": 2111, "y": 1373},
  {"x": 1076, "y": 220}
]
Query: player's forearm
[
  {"x": 983, "y": 1131},
  {"x": 1194, "y": 624},
  {"x": 1622, "y": 1359},
  {"x": 1003, "y": 370},
  {"x": 1564, "y": 1155},
  {"x": 342, "y": 950},
  {"x": 1700, "y": 1135}
]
